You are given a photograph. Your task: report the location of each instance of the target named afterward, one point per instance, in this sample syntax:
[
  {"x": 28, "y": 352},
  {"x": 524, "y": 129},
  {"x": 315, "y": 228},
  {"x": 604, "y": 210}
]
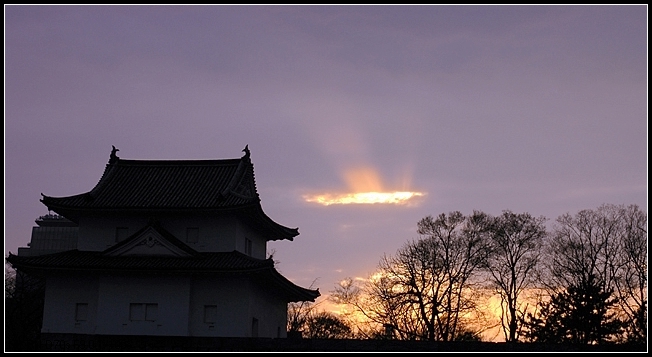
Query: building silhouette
[{"x": 162, "y": 248}]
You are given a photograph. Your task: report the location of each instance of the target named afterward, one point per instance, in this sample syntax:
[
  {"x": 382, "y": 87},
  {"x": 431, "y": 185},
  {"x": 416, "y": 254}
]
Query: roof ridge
[{"x": 176, "y": 161}]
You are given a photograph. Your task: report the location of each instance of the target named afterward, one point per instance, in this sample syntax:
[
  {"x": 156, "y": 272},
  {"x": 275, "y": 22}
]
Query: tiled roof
[
  {"x": 226, "y": 185},
  {"x": 201, "y": 263},
  {"x": 163, "y": 184}
]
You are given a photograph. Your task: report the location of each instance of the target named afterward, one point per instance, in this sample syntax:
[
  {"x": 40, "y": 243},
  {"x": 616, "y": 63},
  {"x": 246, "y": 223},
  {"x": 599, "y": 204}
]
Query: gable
[{"x": 148, "y": 242}]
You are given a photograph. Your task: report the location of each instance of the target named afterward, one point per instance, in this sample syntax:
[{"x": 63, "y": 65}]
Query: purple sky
[{"x": 539, "y": 109}]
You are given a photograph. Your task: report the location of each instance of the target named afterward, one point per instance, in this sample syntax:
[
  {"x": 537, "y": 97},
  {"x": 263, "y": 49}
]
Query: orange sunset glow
[
  {"x": 486, "y": 318},
  {"x": 365, "y": 187}
]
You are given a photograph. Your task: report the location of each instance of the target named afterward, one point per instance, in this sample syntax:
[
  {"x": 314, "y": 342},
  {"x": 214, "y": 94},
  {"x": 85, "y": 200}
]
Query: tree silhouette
[
  {"x": 24, "y": 298},
  {"x": 424, "y": 291},
  {"x": 304, "y": 319},
  {"x": 581, "y": 315},
  {"x": 516, "y": 241},
  {"x": 326, "y": 325},
  {"x": 298, "y": 313},
  {"x": 631, "y": 271},
  {"x": 606, "y": 246},
  {"x": 588, "y": 274}
]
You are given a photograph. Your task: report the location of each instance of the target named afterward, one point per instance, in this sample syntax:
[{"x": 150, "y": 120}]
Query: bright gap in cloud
[
  {"x": 366, "y": 186},
  {"x": 363, "y": 198}
]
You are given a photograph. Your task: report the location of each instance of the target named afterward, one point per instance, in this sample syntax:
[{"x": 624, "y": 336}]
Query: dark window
[
  {"x": 248, "y": 246},
  {"x": 210, "y": 314},
  {"x": 254, "y": 327},
  {"x": 81, "y": 312},
  {"x": 143, "y": 312}
]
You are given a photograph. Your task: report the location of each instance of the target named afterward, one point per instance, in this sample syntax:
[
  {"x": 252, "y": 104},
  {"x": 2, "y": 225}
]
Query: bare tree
[
  {"x": 307, "y": 321},
  {"x": 424, "y": 291},
  {"x": 631, "y": 271},
  {"x": 368, "y": 313},
  {"x": 605, "y": 248},
  {"x": 298, "y": 314},
  {"x": 584, "y": 247},
  {"x": 516, "y": 241}
]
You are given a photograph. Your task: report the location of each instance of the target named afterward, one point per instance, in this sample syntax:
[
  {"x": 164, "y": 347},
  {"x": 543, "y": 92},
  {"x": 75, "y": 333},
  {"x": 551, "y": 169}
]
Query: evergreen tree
[{"x": 579, "y": 315}]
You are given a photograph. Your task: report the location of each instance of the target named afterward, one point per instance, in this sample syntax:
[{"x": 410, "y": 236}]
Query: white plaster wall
[
  {"x": 171, "y": 293},
  {"x": 238, "y": 301},
  {"x": 259, "y": 243},
  {"x": 271, "y": 312},
  {"x": 61, "y": 296},
  {"x": 180, "y": 299},
  {"x": 216, "y": 234},
  {"x": 232, "y": 299},
  {"x": 98, "y": 233}
]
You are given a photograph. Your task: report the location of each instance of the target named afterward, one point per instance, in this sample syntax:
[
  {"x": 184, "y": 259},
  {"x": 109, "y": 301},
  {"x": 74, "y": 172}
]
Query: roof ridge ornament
[
  {"x": 240, "y": 186},
  {"x": 113, "y": 157}
]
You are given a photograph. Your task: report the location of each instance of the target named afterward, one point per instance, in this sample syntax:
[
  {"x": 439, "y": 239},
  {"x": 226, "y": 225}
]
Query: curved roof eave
[
  {"x": 274, "y": 230},
  {"x": 201, "y": 184},
  {"x": 299, "y": 293},
  {"x": 161, "y": 186},
  {"x": 253, "y": 212},
  {"x": 217, "y": 263}
]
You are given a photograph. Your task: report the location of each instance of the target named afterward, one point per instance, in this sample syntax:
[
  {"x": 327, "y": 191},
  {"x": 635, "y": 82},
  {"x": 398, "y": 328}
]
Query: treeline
[
  {"x": 581, "y": 281},
  {"x": 24, "y": 299}
]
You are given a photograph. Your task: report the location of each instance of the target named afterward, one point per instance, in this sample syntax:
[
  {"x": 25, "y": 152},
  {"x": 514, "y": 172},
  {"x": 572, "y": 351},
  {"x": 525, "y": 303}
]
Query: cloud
[{"x": 365, "y": 187}]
